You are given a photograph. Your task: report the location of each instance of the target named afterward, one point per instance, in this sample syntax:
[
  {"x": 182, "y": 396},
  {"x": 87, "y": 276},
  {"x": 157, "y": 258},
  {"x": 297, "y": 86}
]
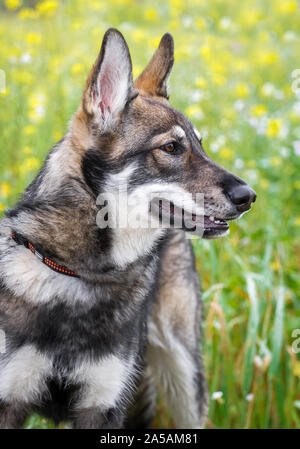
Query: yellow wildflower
[
  {"x": 13, "y": 4},
  {"x": 242, "y": 90},
  {"x": 4, "y": 92},
  {"x": 200, "y": 82},
  {"x": 33, "y": 38},
  {"x": 47, "y": 7},
  {"x": 2, "y": 207},
  {"x": 275, "y": 161},
  {"x": 76, "y": 68},
  {"x": 173, "y": 25},
  {"x": 274, "y": 127},
  {"x": 194, "y": 111},
  {"x": 28, "y": 13},
  {"x": 218, "y": 79},
  {"x": 259, "y": 110},
  {"x": 226, "y": 153},
  {"x": 37, "y": 106},
  {"x": 57, "y": 135},
  {"x": 138, "y": 34},
  {"x": 28, "y": 130},
  {"x": 176, "y": 7},
  {"x": 297, "y": 221},
  {"x": 97, "y": 6},
  {"x": 241, "y": 65},
  {"x": 201, "y": 23},
  {"x": 137, "y": 70},
  {"x": 251, "y": 17},
  {"x": 267, "y": 57},
  {"x": 23, "y": 77},
  {"x": 288, "y": 7},
  {"x": 35, "y": 115},
  {"x": 30, "y": 163},
  {"x": 36, "y": 100},
  {"x": 263, "y": 36},
  {"x": 218, "y": 67},
  {"x": 177, "y": 4},
  {"x": 205, "y": 51},
  {"x": 76, "y": 25},
  {"x": 155, "y": 42},
  {"x": 275, "y": 265},
  {"x": 151, "y": 14},
  {"x": 5, "y": 189}
]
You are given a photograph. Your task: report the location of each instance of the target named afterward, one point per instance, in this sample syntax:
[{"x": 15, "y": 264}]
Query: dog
[{"x": 96, "y": 317}]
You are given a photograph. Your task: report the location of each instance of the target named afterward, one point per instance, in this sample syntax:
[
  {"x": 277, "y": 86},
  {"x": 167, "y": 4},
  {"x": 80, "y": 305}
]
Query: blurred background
[{"x": 237, "y": 77}]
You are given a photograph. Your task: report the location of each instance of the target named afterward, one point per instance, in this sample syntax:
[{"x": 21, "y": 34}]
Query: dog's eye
[{"x": 169, "y": 147}]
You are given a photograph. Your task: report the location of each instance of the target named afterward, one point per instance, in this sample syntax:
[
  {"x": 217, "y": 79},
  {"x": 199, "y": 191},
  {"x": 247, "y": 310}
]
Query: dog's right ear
[{"x": 109, "y": 86}]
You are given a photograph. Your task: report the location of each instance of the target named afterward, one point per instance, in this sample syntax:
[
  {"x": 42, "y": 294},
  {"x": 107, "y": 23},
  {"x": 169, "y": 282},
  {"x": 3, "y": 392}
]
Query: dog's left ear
[
  {"x": 109, "y": 86},
  {"x": 154, "y": 79}
]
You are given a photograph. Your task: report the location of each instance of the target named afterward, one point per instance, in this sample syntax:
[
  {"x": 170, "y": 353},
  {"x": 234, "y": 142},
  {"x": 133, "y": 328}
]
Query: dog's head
[{"x": 135, "y": 137}]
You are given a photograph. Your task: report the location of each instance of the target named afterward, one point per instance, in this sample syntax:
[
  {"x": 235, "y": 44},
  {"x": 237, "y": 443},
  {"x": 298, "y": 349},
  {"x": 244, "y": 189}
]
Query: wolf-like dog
[{"x": 95, "y": 317}]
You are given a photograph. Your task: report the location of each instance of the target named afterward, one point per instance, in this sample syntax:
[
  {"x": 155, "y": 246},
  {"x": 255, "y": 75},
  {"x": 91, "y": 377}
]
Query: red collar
[{"x": 20, "y": 240}]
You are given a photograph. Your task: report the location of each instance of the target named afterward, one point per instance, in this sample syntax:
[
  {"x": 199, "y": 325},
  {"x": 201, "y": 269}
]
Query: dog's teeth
[{"x": 212, "y": 218}]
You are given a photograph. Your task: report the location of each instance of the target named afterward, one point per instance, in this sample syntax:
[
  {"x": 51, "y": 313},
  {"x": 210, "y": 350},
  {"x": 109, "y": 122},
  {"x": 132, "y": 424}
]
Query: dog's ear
[
  {"x": 154, "y": 79},
  {"x": 109, "y": 86}
]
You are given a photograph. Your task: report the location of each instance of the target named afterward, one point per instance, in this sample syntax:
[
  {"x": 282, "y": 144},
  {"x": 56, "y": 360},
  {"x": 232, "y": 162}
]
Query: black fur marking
[
  {"x": 95, "y": 169},
  {"x": 57, "y": 403},
  {"x": 13, "y": 416}
]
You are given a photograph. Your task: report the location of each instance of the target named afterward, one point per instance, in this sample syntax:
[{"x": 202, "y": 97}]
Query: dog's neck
[{"x": 58, "y": 213}]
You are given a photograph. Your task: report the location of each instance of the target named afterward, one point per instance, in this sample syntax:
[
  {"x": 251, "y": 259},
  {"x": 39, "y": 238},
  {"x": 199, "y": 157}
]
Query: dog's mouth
[
  {"x": 214, "y": 227},
  {"x": 170, "y": 215}
]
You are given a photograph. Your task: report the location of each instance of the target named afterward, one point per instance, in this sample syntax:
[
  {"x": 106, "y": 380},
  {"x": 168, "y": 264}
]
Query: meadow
[{"x": 235, "y": 77}]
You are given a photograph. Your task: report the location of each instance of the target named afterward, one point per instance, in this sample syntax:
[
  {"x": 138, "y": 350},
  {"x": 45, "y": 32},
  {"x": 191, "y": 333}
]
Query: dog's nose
[{"x": 242, "y": 196}]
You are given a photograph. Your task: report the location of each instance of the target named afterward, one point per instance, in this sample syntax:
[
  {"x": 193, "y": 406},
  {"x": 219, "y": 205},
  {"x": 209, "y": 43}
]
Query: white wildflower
[
  {"x": 239, "y": 163},
  {"x": 225, "y": 23},
  {"x": 216, "y": 395},
  {"x": 26, "y": 58},
  {"x": 296, "y": 145},
  {"x": 239, "y": 105}
]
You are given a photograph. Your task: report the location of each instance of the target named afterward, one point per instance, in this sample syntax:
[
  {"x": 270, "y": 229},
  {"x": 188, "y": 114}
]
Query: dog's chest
[
  {"x": 96, "y": 343},
  {"x": 82, "y": 318},
  {"x": 97, "y": 348},
  {"x": 72, "y": 332}
]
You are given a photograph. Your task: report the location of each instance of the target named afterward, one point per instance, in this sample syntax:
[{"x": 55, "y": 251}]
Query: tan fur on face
[{"x": 81, "y": 136}]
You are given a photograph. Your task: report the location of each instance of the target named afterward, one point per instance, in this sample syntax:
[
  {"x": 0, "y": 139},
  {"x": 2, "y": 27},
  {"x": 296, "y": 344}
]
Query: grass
[{"x": 233, "y": 78}]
